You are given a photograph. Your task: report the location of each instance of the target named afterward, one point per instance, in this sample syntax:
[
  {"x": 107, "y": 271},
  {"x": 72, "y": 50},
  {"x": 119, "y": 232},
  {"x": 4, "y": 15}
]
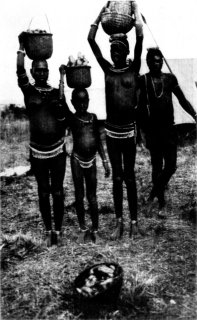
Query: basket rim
[
  {"x": 117, "y": 13},
  {"x": 77, "y": 67},
  {"x": 100, "y": 263},
  {"x": 38, "y": 34}
]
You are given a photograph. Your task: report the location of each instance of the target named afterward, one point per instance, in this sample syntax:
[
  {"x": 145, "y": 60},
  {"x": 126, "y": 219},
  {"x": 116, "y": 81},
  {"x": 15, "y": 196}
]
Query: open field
[{"x": 159, "y": 267}]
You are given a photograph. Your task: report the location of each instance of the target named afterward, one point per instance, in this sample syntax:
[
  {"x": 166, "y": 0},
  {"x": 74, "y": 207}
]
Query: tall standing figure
[
  {"x": 47, "y": 140},
  {"x": 156, "y": 118},
  {"x": 121, "y": 80}
]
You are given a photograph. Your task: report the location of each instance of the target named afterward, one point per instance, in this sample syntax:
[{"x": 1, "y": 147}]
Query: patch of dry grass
[
  {"x": 14, "y": 143},
  {"x": 159, "y": 268},
  {"x": 14, "y": 130}
]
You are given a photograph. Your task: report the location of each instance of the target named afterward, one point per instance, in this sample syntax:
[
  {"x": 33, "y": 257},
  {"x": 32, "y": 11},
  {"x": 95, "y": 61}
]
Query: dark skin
[
  {"x": 118, "y": 54},
  {"x": 86, "y": 139},
  {"x": 156, "y": 117},
  {"x": 47, "y": 133},
  {"x": 36, "y": 103},
  {"x": 39, "y": 71},
  {"x": 86, "y": 142},
  {"x": 120, "y": 87},
  {"x": 155, "y": 66}
]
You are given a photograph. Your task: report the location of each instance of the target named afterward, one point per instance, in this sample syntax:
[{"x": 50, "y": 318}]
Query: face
[
  {"x": 118, "y": 55},
  {"x": 40, "y": 72},
  {"x": 80, "y": 102},
  {"x": 155, "y": 64}
]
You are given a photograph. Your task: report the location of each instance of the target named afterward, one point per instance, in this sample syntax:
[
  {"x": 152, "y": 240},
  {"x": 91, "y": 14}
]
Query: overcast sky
[{"x": 172, "y": 22}]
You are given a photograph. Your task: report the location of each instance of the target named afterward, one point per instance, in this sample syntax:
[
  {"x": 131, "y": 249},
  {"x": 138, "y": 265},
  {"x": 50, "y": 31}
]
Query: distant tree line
[
  {"x": 186, "y": 131},
  {"x": 13, "y": 112}
]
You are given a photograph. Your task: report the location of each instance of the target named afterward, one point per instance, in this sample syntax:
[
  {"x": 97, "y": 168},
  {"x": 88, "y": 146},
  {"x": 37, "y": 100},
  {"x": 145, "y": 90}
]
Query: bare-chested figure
[
  {"x": 121, "y": 80},
  {"x": 86, "y": 143}
]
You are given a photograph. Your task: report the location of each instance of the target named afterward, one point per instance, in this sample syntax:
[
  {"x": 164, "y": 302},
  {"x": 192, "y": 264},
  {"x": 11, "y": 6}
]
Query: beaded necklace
[
  {"x": 161, "y": 93},
  {"x": 84, "y": 121},
  {"x": 128, "y": 64},
  {"x": 44, "y": 92},
  {"x": 41, "y": 90}
]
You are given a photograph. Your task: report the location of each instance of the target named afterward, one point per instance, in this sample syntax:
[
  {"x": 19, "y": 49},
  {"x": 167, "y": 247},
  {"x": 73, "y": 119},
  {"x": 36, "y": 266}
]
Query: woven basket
[
  {"x": 113, "y": 22},
  {"x": 123, "y": 7},
  {"x": 107, "y": 296},
  {"x": 38, "y": 46},
  {"x": 78, "y": 76}
]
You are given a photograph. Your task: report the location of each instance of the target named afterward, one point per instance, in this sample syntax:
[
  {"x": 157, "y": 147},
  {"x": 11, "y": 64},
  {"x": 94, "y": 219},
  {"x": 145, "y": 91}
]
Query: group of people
[{"x": 131, "y": 101}]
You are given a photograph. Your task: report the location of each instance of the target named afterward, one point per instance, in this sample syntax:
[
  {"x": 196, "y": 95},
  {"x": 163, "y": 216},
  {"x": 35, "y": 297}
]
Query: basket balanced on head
[
  {"x": 78, "y": 72},
  {"x": 118, "y": 17},
  {"x": 38, "y": 44}
]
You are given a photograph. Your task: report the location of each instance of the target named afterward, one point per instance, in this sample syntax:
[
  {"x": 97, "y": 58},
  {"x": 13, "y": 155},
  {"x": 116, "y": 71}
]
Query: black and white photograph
[{"x": 98, "y": 112}]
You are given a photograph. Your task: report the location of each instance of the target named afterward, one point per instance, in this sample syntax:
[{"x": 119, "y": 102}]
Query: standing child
[{"x": 86, "y": 143}]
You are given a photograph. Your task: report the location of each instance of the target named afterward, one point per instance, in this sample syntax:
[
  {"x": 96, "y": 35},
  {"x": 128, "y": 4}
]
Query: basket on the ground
[
  {"x": 113, "y": 22},
  {"x": 38, "y": 46},
  {"x": 100, "y": 283},
  {"x": 78, "y": 76}
]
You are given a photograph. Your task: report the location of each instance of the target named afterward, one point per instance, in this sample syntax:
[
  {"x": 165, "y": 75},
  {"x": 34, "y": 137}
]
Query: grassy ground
[
  {"x": 14, "y": 143},
  {"x": 159, "y": 267}
]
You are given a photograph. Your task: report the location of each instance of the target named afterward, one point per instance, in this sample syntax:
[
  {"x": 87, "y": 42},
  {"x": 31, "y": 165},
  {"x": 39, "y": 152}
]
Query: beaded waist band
[
  {"x": 47, "y": 154},
  {"x": 50, "y": 147},
  {"x": 84, "y": 164},
  {"x": 120, "y": 132}
]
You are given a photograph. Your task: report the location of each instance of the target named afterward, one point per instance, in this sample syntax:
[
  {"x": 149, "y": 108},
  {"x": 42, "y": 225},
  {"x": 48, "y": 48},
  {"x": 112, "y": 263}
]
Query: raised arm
[
  {"x": 63, "y": 111},
  {"x": 139, "y": 37},
  {"x": 20, "y": 63},
  {"x": 23, "y": 80},
  {"x": 94, "y": 46}
]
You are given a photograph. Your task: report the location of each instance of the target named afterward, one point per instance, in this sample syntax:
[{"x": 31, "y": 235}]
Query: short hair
[
  {"x": 153, "y": 52},
  {"x": 36, "y": 62},
  {"x": 79, "y": 92}
]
